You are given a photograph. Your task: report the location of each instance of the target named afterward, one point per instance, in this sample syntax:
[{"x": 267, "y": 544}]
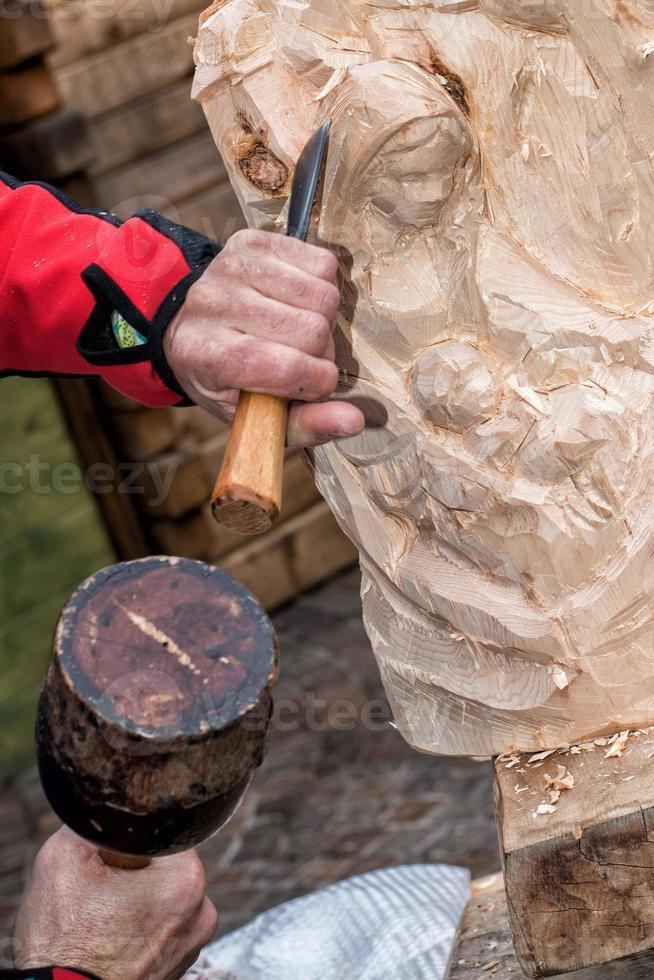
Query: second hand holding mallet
[{"x": 248, "y": 495}]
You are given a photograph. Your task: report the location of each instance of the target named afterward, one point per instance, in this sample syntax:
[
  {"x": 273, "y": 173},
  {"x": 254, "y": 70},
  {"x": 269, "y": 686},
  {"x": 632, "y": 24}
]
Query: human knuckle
[
  {"x": 193, "y": 880},
  {"x": 246, "y": 359},
  {"x": 329, "y": 299},
  {"x": 319, "y": 336},
  {"x": 326, "y": 379},
  {"x": 229, "y": 302},
  {"x": 46, "y": 857},
  {"x": 235, "y": 264},
  {"x": 289, "y": 368},
  {"x": 211, "y": 921},
  {"x": 237, "y": 240},
  {"x": 288, "y": 246},
  {"x": 255, "y": 240},
  {"x": 232, "y": 363},
  {"x": 296, "y": 284},
  {"x": 326, "y": 263},
  {"x": 315, "y": 327}
]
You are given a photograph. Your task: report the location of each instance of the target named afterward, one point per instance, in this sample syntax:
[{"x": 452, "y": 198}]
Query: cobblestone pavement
[{"x": 340, "y": 793}]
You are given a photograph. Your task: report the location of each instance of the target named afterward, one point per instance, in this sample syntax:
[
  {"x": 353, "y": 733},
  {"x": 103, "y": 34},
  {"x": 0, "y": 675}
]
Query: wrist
[{"x": 163, "y": 330}]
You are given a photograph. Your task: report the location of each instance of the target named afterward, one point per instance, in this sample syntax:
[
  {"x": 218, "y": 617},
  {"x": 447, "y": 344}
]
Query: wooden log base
[
  {"x": 484, "y": 948},
  {"x": 577, "y": 837}
]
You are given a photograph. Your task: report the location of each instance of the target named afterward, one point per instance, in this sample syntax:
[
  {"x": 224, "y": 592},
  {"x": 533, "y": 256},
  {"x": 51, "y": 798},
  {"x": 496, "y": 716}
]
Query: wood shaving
[
  {"x": 544, "y": 809},
  {"x": 563, "y": 779},
  {"x": 490, "y": 966},
  {"x": 602, "y": 741},
  {"x": 540, "y": 756},
  {"x": 617, "y": 744}
]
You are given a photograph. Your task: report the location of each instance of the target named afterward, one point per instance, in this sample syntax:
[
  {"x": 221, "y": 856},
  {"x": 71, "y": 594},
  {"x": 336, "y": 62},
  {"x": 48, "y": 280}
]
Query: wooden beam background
[{"x": 125, "y": 66}]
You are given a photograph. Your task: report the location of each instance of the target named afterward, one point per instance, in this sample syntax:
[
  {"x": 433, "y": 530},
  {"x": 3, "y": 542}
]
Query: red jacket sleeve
[{"x": 64, "y": 272}]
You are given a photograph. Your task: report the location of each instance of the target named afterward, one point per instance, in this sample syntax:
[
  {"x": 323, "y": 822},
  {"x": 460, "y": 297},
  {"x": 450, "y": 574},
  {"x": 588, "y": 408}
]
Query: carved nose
[{"x": 453, "y": 386}]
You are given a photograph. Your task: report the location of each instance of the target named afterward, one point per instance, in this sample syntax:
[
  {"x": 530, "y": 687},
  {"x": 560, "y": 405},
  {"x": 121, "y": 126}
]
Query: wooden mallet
[
  {"x": 156, "y": 706},
  {"x": 248, "y": 495}
]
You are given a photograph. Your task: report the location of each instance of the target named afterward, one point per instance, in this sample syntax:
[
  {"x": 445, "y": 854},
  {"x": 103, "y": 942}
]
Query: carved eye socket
[
  {"x": 413, "y": 175},
  {"x": 453, "y": 386}
]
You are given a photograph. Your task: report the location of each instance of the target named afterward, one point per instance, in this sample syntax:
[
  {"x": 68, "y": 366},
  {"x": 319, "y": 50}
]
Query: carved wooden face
[{"x": 490, "y": 193}]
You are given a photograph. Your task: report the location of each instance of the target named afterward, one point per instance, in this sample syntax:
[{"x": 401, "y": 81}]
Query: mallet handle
[
  {"x": 248, "y": 495},
  {"x": 124, "y": 861}
]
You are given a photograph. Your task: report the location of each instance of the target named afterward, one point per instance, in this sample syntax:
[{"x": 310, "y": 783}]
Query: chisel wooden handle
[
  {"x": 248, "y": 495},
  {"x": 124, "y": 861}
]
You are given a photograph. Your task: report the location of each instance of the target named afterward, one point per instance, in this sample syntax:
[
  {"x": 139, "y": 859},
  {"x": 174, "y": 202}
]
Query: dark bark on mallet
[{"x": 156, "y": 705}]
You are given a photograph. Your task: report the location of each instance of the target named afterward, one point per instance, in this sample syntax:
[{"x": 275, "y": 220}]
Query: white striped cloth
[{"x": 395, "y": 924}]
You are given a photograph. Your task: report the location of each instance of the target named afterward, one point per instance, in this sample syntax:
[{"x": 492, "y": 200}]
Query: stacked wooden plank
[
  {"x": 38, "y": 139},
  {"x": 126, "y": 66}
]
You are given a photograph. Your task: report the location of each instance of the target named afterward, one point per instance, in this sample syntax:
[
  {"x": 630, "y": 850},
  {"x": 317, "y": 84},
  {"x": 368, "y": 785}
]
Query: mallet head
[{"x": 155, "y": 708}]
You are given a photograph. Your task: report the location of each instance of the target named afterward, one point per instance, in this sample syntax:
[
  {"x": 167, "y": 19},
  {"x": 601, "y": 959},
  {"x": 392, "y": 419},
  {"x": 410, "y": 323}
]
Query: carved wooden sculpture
[{"x": 490, "y": 193}]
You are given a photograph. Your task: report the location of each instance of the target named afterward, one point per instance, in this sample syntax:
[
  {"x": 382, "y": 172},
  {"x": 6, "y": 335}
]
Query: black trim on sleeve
[
  {"x": 96, "y": 343},
  {"x": 162, "y": 320},
  {"x": 199, "y": 251}
]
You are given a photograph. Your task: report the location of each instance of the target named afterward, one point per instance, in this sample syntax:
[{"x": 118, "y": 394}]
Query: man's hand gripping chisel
[{"x": 248, "y": 495}]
